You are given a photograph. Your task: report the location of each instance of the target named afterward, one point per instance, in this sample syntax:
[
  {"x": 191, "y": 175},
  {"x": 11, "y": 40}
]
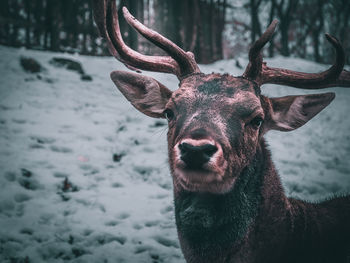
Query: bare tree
[
  {"x": 254, "y": 16},
  {"x": 5, "y": 17},
  {"x": 339, "y": 13},
  {"x": 271, "y": 18},
  {"x": 285, "y": 12}
]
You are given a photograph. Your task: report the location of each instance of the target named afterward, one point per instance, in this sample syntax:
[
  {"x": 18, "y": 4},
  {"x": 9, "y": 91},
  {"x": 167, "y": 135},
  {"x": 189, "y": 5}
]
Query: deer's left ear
[
  {"x": 291, "y": 112},
  {"x": 145, "y": 93}
]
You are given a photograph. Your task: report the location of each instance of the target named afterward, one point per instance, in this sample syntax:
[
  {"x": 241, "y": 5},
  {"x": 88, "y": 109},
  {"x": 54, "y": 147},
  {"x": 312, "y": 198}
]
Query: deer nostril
[
  {"x": 196, "y": 156},
  {"x": 210, "y": 149}
]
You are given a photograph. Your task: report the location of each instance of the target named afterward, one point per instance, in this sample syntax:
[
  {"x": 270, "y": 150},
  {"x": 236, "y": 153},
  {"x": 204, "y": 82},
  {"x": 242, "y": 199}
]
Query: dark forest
[{"x": 199, "y": 26}]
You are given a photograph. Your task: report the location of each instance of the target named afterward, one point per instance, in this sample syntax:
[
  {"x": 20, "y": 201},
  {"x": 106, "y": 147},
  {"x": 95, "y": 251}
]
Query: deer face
[{"x": 215, "y": 123}]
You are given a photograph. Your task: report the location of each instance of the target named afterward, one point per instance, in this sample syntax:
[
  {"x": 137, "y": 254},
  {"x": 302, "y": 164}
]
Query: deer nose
[{"x": 195, "y": 156}]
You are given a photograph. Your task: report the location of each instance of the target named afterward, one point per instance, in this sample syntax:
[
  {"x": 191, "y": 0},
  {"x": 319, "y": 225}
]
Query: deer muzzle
[{"x": 198, "y": 154}]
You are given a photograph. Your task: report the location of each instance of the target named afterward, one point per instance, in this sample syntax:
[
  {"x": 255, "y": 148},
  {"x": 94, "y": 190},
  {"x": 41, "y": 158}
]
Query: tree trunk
[
  {"x": 74, "y": 29},
  {"x": 5, "y": 24},
  {"x": 38, "y": 22},
  {"x": 319, "y": 22},
  {"x": 284, "y": 26},
  {"x": 212, "y": 26},
  {"x": 129, "y": 35},
  {"x": 285, "y": 15},
  {"x": 84, "y": 29},
  {"x": 220, "y": 32},
  {"x": 133, "y": 36},
  {"x": 254, "y": 15},
  {"x": 27, "y": 4},
  {"x": 15, "y": 27},
  {"x": 271, "y": 18},
  {"x": 52, "y": 31},
  {"x": 92, "y": 31}
]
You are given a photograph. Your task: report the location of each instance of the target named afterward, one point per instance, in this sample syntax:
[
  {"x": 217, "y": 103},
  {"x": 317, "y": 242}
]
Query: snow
[{"x": 54, "y": 126}]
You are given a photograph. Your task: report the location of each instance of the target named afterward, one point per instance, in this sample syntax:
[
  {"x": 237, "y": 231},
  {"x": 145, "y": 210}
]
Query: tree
[
  {"x": 28, "y": 10},
  {"x": 5, "y": 22},
  {"x": 271, "y": 18},
  {"x": 254, "y": 16},
  {"x": 285, "y": 11}
]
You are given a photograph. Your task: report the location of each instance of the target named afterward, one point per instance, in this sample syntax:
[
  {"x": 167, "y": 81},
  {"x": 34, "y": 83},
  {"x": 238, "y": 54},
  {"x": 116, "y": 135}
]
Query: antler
[
  {"x": 179, "y": 62},
  {"x": 258, "y": 71}
]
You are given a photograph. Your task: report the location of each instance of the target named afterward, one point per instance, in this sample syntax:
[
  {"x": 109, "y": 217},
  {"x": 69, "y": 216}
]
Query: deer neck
[{"x": 205, "y": 220}]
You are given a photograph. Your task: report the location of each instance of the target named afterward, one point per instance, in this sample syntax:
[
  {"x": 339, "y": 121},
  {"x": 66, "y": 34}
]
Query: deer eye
[
  {"x": 169, "y": 114},
  {"x": 256, "y": 122}
]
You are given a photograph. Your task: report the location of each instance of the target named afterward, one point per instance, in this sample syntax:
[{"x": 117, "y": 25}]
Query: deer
[{"x": 229, "y": 202}]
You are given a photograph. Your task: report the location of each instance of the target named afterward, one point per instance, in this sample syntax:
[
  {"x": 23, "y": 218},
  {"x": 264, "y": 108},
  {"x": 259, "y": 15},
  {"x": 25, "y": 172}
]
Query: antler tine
[
  {"x": 105, "y": 13},
  {"x": 106, "y": 18},
  {"x": 334, "y": 76},
  {"x": 343, "y": 79},
  {"x": 255, "y": 58},
  {"x": 258, "y": 71},
  {"x": 185, "y": 59}
]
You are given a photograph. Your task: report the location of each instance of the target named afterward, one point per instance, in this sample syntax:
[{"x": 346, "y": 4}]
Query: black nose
[{"x": 196, "y": 156}]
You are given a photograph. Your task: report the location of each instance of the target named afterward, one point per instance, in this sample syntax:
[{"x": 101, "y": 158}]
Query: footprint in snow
[
  {"x": 117, "y": 185},
  {"x": 106, "y": 238},
  {"x": 137, "y": 226},
  {"x": 147, "y": 149},
  {"x": 143, "y": 248},
  {"x": 21, "y": 197},
  {"x": 19, "y": 121},
  {"x": 27, "y": 231},
  {"x": 60, "y": 175},
  {"x": 6, "y": 206},
  {"x": 89, "y": 169},
  {"x": 20, "y": 210},
  {"x": 158, "y": 123},
  {"x": 159, "y": 196},
  {"x": 66, "y": 126},
  {"x": 111, "y": 223},
  {"x": 27, "y": 181},
  {"x": 167, "y": 209},
  {"x": 86, "y": 138},
  {"x": 155, "y": 257},
  {"x": 109, "y": 138},
  {"x": 10, "y": 176},
  {"x": 152, "y": 223},
  {"x": 87, "y": 232},
  {"x": 123, "y": 215},
  {"x": 165, "y": 185},
  {"x": 60, "y": 149},
  {"x": 17, "y": 131},
  {"x": 39, "y": 142},
  {"x": 42, "y": 139},
  {"x": 102, "y": 208},
  {"x": 144, "y": 171},
  {"x": 36, "y": 146},
  {"x": 166, "y": 241}
]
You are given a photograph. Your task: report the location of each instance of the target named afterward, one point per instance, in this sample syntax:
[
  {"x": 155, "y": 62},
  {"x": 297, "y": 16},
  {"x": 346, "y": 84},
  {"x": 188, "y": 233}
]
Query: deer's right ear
[{"x": 145, "y": 93}]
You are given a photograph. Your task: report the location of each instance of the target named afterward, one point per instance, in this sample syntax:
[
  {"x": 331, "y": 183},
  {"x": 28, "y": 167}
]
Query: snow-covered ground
[{"x": 54, "y": 126}]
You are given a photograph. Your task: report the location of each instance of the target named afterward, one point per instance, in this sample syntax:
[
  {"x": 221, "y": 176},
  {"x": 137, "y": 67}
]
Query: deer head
[{"x": 216, "y": 121}]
